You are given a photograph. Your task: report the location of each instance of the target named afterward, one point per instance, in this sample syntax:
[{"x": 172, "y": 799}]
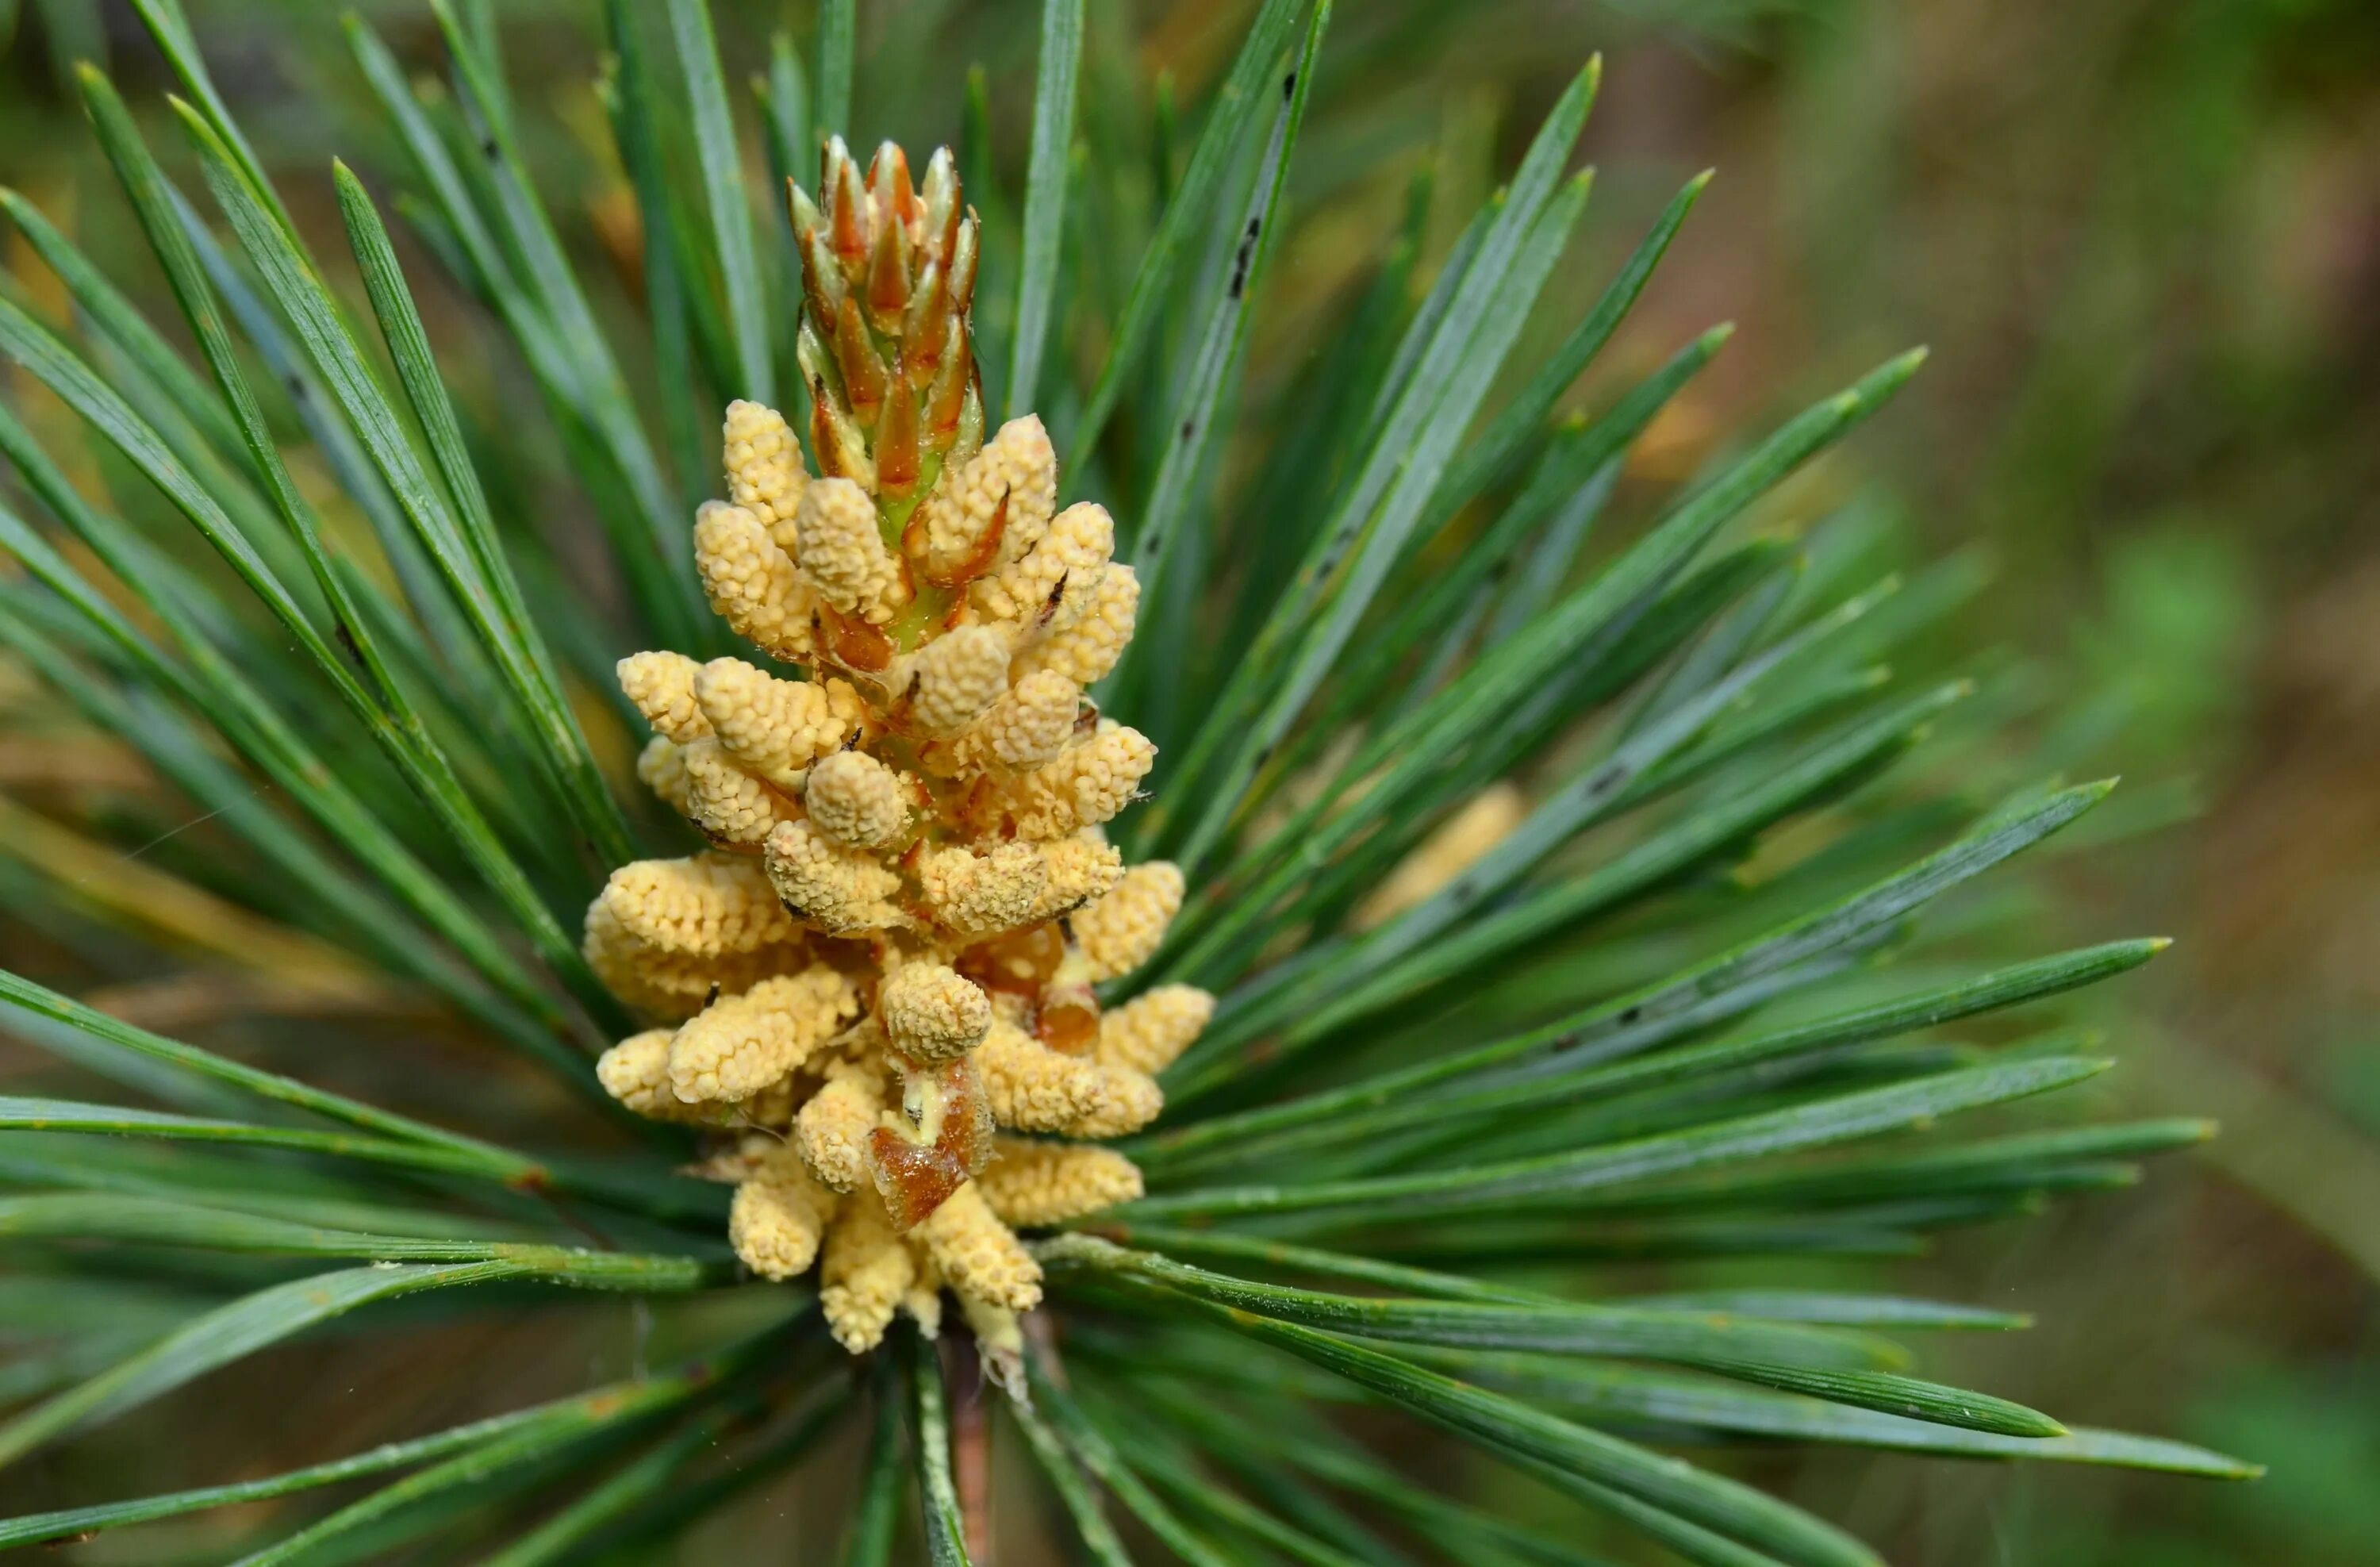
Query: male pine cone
[{"x": 882, "y": 971}]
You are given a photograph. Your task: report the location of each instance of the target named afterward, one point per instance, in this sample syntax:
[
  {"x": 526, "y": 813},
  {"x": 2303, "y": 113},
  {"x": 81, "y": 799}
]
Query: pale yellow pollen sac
[
  {"x": 1031, "y": 1087},
  {"x": 779, "y": 1216},
  {"x": 661, "y": 766},
  {"x": 1033, "y": 484},
  {"x": 1057, "y": 580},
  {"x": 1150, "y": 1032},
  {"x": 955, "y": 678},
  {"x": 1016, "y": 466},
  {"x": 636, "y": 1073},
  {"x": 775, "y": 728},
  {"x": 1076, "y": 870},
  {"x": 1076, "y": 557},
  {"x": 932, "y": 1012},
  {"x": 977, "y": 896},
  {"x": 1084, "y": 785},
  {"x": 857, "y": 800},
  {"x": 661, "y": 687},
  {"x": 1029, "y": 1183},
  {"x": 1127, "y": 1101},
  {"x": 704, "y": 906},
  {"x": 742, "y": 1044},
  {"x": 981, "y": 1257},
  {"x": 730, "y": 805},
  {"x": 1089, "y": 648},
  {"x": 730, "y": 1167},
  {"x": 842, "y": 554},
  {"x": 1485, "y": 821},
  {"x": 676, "y": 985},
  {"x": 841, "y": 892},
  {"x": 750, "y": 582},
  {"x": 1121, "y": 930},
  {"x": 764, "y": 467},
  {"x": 1033, "y": 722},
  {"x": 773, "y": 1106},
  {"x": 1008, "y": 1006},
  {"x": 865, "y": 1275},
  {"x": 832, "y": 1128},
  {"x": 923, "y": 1300}
]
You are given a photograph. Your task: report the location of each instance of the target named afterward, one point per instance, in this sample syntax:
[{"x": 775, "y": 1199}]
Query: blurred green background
[{"x": 2142, "y": 237}]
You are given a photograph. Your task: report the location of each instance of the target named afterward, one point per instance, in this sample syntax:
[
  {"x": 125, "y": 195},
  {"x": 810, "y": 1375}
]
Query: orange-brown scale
[{"x": 916, "y": 1178}]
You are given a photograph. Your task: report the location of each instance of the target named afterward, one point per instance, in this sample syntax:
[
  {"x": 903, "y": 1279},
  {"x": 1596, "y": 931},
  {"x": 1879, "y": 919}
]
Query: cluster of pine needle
[{"x": 1287, "y": 893}]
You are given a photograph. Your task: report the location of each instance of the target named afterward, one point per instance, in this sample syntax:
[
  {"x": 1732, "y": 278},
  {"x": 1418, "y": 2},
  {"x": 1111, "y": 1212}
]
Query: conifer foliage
[{"x": 1259, "y": 936}]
